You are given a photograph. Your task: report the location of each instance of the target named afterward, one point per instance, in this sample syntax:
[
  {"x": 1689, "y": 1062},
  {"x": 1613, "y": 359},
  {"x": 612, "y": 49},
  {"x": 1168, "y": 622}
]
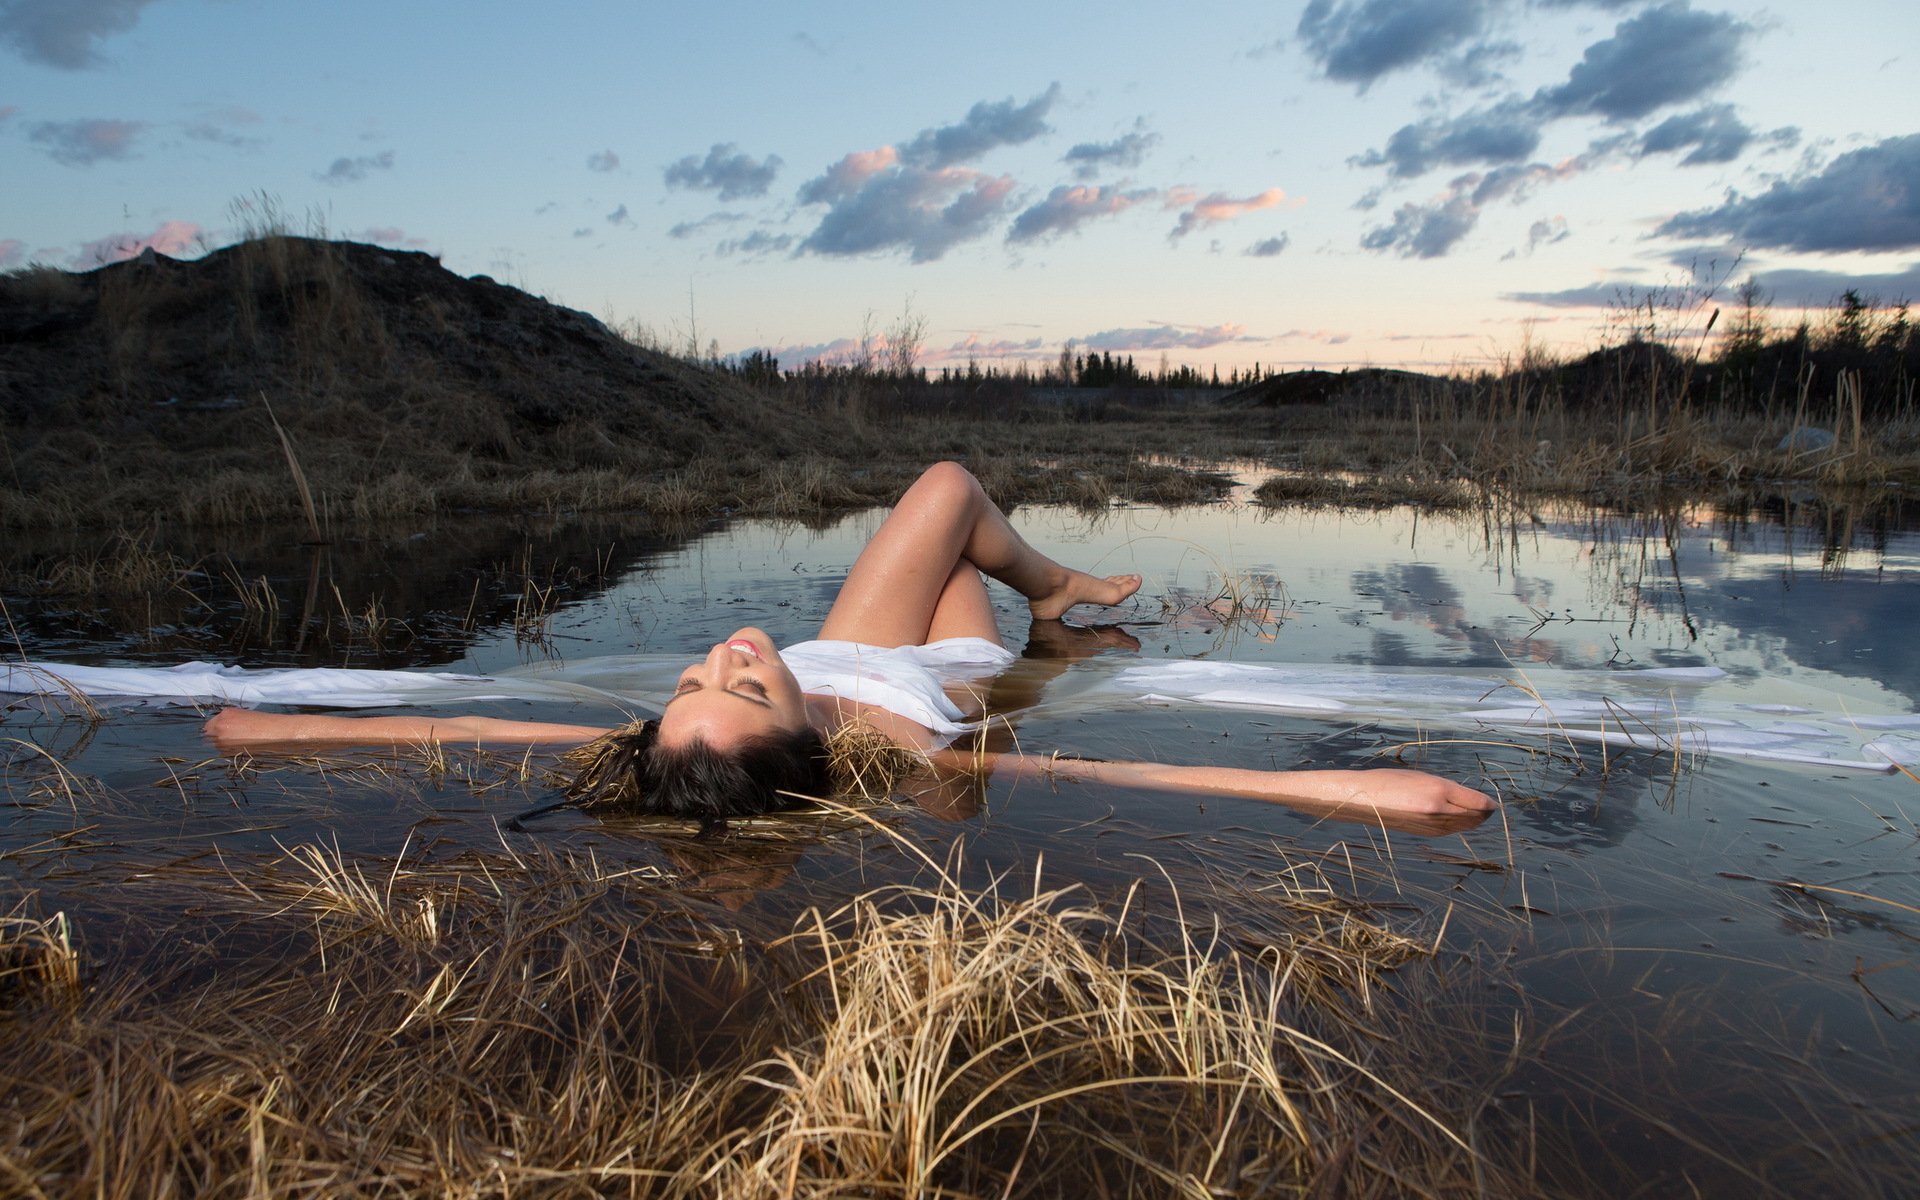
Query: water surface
[{"x": 1704, "y": 965}]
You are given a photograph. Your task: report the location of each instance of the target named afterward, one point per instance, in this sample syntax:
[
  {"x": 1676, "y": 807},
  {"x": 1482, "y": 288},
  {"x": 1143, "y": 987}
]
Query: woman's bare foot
[{"x": 1078, "y": 587}]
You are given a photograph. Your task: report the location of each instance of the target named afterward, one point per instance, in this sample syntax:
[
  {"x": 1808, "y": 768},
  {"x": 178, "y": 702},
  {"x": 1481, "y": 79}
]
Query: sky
[{"x": 1434, "y": 184}]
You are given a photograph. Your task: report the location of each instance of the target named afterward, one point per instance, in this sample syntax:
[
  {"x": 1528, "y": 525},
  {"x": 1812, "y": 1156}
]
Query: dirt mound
[
  {"x": 1323, "y": 387},
  {"x": 391, "y": 374},
  {"x": 1626, "y": 374}
]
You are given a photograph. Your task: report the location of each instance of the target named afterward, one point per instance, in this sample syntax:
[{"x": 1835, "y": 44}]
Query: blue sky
[{"x": 1340, "y": 182}]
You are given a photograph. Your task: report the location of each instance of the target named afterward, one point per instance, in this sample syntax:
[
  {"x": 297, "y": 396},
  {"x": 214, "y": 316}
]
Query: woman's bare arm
[
  {"x": 1411, "y": 800},
  {"x": 233, "y": 729}
]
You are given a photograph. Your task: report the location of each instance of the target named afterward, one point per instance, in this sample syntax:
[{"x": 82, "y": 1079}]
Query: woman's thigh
[{"x": 964, "y": 609}]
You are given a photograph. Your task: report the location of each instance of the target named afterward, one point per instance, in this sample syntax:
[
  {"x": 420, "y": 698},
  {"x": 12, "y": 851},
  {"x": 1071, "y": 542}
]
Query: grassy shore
[{"x": 374, "y": 384}]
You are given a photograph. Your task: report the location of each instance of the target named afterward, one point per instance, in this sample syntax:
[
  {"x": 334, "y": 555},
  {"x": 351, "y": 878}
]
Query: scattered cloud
[
  {"x": 389, "y": 235},
  {"x": 1789, "y": 288},
  {"x": 1358, "y": 41},
  {"x": 846, "y": 177},
  {"x": 1505, "y": 132},
  {"x": 1219, "y": 207},
  {"x": 1425, "y": 230},
  {"x": 583, "y": 231},
  {"x": 12, "y": 251},
  {"x": 65, "y": 33},
  {"x": 1667, "y": 54},
  {"x": 222, "y": 126},
  {"x": 620, "y": 216},
  {"x": 1479, "y": 65},
  {"x": 1066, "y": 209},
  {"x": 208, "y": 131},
  {"x": 1267, "y": 247},
  {"x": 172, "y": 238},
  {"x": 1127, "y": 151},
  {"x": 1329, "y": 337},
  {"x": 1715, "y": 134},
  {"x": 1865, "y": 199},
  {"x": 1432, "y": 229},
  {"x": 687, "y": 229},
  {"x": 915, "y": 198},
  {"x": 973, "y": 347},
  {"x": 1166, "y": 337},
  {"x": 839, "y": 350},
  {"x": 85, "y": 142},
  {"x": 758, "y": 242},
  {"x": 1546, "y": 232},
  {"x": 353, "y": 170},
  {"x": 603, "y": 160},
  {"x": 923, "y": 212},
  {"x": 726, "y": 170},
  {"x": 987, "y": 126},
  {"x": 1798, "y": 288}
]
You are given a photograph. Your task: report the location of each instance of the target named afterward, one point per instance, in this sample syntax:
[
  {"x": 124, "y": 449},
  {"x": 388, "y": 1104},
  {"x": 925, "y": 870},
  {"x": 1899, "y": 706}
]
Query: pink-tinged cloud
[
  {"x": 847, "y": 176},
  {"x": 1219, "y": 207},
  {"x": 1067, "y": 208},
  {"x": 974, "y": 348},
  {"x": 836, "y": 353},
  {"x": 172, "y": 238},
  {"x": 1168, "y": 337},
  {"x": 12, "y": 250}
]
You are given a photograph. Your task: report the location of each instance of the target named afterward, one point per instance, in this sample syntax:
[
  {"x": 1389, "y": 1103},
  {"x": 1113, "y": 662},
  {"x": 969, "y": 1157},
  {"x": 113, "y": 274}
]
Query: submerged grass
[{"x": 528, "y": 1023}]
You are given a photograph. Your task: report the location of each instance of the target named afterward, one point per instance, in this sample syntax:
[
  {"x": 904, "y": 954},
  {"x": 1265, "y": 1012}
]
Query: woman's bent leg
[{"x": 895, "y": 587}]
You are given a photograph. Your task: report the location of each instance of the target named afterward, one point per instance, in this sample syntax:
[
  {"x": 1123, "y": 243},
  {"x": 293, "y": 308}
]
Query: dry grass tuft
[
  {"x": 974, "y": 1045},
  {"x": 37, "y": 958}
]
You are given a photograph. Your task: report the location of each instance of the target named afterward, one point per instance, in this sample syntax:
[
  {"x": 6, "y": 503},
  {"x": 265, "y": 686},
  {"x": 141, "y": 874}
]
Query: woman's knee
[{"x": 947, "y": 484}]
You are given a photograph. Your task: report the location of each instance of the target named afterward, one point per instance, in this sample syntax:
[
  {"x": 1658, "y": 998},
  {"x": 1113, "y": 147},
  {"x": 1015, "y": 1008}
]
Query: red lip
[{"x": 745, "y": 647}]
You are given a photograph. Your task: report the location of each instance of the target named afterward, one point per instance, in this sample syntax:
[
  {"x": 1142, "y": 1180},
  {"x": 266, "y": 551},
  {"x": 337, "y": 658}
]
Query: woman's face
[{"x": 741, "y": 690}]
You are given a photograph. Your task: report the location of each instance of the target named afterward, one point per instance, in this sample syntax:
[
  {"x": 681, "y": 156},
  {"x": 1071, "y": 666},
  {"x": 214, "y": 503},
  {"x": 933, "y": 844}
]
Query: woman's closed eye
[{"x": 751, "y": 689}]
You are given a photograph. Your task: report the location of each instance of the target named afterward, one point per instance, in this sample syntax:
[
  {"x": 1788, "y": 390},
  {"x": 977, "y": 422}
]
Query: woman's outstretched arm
[
  {"x": 1410, "y": 800},
  {"x": 233, "y": 729}
]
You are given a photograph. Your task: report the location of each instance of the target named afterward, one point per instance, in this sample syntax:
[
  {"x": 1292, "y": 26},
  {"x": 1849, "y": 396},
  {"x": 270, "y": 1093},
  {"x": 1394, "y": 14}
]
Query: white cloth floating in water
[
  {"x": 1691, "y": 710},
  {"x": 908, "y": 680}
]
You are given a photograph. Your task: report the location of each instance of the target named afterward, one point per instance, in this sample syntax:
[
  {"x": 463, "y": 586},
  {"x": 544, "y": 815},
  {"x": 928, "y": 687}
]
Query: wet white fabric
[
  {"x": 1694, "y": 710},
  {"x": 906, "y": 680}
]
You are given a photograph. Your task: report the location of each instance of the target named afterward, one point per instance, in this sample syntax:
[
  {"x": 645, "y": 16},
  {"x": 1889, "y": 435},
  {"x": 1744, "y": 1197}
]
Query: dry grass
[
  {"x": 38, "y": 962},
  {"x": 974, "y": 1045},
  {"x": 532, "y": 1024}
]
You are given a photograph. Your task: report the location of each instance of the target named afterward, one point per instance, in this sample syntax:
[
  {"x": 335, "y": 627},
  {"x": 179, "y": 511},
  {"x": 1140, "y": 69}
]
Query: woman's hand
[{"x": 1389, "y": 789}]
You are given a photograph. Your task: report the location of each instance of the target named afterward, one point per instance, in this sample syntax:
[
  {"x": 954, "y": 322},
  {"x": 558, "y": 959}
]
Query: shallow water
[{"x": 1713, "y": 958}]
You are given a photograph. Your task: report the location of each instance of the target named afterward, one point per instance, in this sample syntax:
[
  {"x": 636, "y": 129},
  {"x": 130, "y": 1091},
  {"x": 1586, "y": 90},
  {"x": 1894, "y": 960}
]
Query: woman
[{"x": 743, "y": 733}]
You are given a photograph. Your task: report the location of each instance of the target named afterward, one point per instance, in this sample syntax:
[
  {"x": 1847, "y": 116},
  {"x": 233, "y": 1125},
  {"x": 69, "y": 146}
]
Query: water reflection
[{"x": 1765, "y": 903}]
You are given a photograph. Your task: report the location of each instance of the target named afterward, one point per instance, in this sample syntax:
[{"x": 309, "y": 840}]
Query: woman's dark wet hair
[{"x": 631, "y": 770}]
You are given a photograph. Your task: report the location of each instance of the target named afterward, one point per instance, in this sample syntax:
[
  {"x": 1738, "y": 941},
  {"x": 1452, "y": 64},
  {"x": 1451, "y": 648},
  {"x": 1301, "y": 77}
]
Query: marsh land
[{"x": 1661, "y": 967}]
